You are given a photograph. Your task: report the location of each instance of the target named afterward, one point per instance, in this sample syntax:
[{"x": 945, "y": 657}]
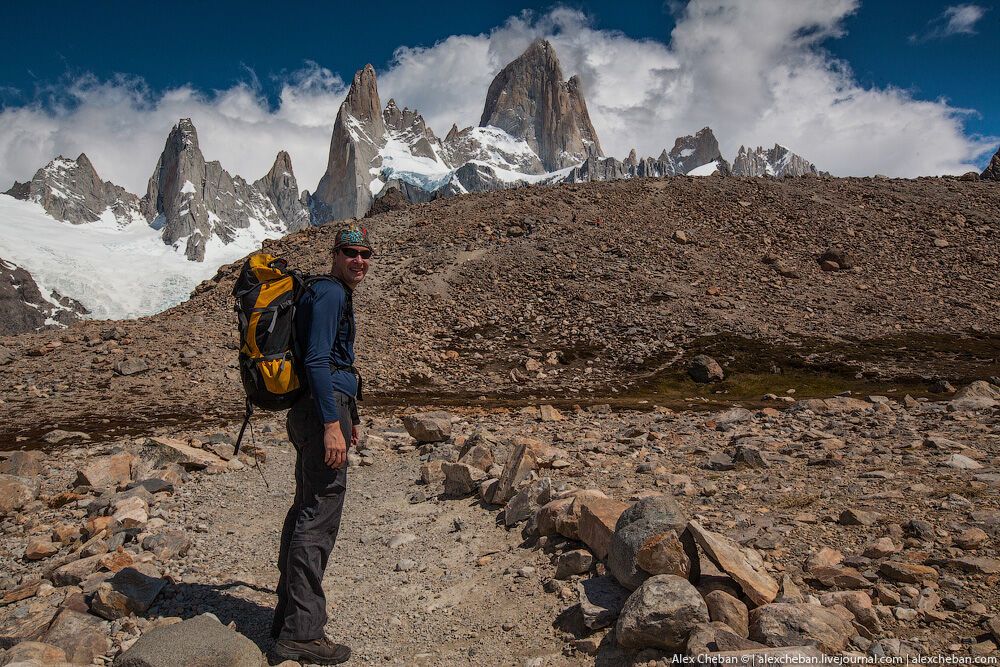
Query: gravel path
[{"x": 446, "y": 610}]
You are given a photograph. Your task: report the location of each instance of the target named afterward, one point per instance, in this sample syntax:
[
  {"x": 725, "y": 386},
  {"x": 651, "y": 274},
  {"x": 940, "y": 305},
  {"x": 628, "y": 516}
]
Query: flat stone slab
[
  {"x": 745, "y": 566},
  {"x": 24, "y": 623}
]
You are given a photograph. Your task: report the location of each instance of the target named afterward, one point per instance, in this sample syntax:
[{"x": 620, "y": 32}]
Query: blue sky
[{"x": 917, "y": 46}]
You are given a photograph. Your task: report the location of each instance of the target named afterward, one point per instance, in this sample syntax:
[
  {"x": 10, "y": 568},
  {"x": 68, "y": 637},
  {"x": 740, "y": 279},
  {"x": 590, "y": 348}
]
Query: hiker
[{"x": 320, "y": 425}]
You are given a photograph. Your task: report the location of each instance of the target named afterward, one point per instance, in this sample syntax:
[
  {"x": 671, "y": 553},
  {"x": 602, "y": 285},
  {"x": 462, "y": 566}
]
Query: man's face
[{"x": 349, "y": 269}]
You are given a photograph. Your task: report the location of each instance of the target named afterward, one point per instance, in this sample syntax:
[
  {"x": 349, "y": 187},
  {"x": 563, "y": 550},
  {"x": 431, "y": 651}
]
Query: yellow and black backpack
[{"x": 266, "y": 292}]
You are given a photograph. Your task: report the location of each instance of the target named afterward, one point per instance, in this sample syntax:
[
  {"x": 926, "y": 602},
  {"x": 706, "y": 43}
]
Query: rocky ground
[
  {"x": 832, "y": 487},
  {"x": 481, "y": 547}
]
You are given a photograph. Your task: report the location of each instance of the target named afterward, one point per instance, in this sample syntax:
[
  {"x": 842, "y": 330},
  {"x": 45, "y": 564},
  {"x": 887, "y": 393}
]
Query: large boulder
[
  {"x": 428, "y": 426},
  {"x": 980, "y": 395},
  {"x": 201, "y": 641},
  {"x": 645, "y": 523},
  {"x": 105, "y": 471},
  {"x": 83, "y": 637},
  {"x": 23, "y": 463},
  {"x": 16, "y": 492},
  {"x": 784, "y": 624},
  {"x": 661, "y": 613}
]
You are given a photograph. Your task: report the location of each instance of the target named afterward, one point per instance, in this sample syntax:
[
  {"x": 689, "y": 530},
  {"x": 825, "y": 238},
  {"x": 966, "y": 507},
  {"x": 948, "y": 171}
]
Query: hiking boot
[{"x": 318, "y": 651}]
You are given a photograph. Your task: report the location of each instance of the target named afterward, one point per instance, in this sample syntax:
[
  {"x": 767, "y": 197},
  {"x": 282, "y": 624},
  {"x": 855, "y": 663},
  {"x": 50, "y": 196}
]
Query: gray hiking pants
[{"x": 311, "y": 526}]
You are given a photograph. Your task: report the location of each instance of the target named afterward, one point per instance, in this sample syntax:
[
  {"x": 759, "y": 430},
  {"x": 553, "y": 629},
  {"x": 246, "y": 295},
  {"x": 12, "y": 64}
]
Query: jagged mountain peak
[
  {"x": 184, "y": 134},
  {"x": 362, "y": 100},
  {"x": 197, "y": 202},
  {"x": 778, "y": 161},
  {"x": 992, "y": 171},
  {"x": 70, "y": 190},
  {"x": 282, "y": 163},
  {"x": 529, "y": 100}
]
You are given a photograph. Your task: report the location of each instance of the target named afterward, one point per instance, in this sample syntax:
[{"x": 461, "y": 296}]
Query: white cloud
[
  {"x": 753, "y": 71},
  {"x": 122, "y": 127},
  {"x": 954, "y": 20}
]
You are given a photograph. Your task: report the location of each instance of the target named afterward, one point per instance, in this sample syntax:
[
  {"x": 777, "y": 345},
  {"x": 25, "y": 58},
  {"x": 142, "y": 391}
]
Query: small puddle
[{"x": 814, "y": 368}]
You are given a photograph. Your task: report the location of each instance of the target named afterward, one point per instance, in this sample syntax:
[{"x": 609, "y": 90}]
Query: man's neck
[{"x": 340, "y": 279}]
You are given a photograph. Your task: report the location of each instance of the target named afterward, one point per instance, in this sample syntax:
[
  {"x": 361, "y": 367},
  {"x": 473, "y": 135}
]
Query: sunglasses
[{"x": 354, "y": 252}]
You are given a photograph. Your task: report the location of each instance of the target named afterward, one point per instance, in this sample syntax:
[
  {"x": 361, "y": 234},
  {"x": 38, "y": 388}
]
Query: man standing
[{"x": 320, "y": 425}]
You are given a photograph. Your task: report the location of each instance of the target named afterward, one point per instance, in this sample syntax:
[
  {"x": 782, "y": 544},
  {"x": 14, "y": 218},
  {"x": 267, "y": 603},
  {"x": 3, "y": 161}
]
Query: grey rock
[
  {"x": 713, "y": 637},
  {"x": 168, "y": 544},
  {"x": 573, "y": 562},
  {"x": 83, "y": 637},
  {"x": 644, "y": 522},
  {"x": 358, "y": 133},
  {"x": 727, "y": 609},
  {"x": 661, "y": 614},
  {"x": 428, "y": 426},
  {"x": 16, "y": 492},
  {"x": 704, "y": 369},
  {"x": 201, "y": 641},
  {"x": 192, "y": 200},
  {"x": 281, "y": 188},
  {"x": 131, "y": 590},
  {"x": 461, "y": 479},
  {"x": 992, "y": 171},
  {"x": 131, "y": 366},
  {"x": 24, "y": 623},
  {"x": 601, "y": 601},
  {"x": 23, "y": 463},
  {"x": 784, "y": 624},
  {"x": 526, "y": 502}
]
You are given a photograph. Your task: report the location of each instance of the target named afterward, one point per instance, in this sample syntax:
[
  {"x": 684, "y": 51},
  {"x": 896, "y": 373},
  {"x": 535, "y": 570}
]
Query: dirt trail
[{"x": 445, "y": 611}]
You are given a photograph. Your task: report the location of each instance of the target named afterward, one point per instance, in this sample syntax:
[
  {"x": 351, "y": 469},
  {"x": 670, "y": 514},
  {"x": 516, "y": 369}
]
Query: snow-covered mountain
[
  {"x": 534, "y": 128},
  {"x": 777, "y": 161},
  {"x": 120, "y": 255},
  {"x": 71, "y": 191},
  {"x": 115, "y": 272},
  {"x": 195, "y": 202}
]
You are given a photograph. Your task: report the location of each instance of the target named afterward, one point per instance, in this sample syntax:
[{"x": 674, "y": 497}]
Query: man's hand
[
  {"x": 355, "y": 436},
  {"x": 334, "y": 447}
]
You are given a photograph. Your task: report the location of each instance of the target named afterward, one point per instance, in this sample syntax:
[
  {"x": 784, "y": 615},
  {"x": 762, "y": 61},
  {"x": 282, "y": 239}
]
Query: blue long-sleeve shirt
[{"x": 324, "y": 327}]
